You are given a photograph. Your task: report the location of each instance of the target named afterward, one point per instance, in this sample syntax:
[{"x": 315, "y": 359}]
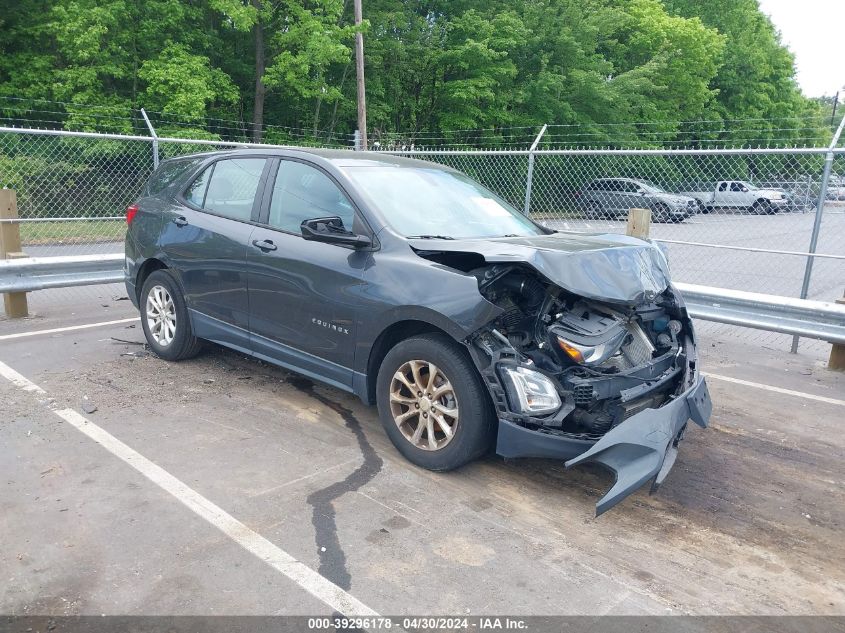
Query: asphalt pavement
[{"x": 135, "y": 486}]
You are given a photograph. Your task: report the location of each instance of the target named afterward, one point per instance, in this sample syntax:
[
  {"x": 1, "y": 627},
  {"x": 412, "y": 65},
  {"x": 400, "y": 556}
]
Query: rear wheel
[
  {"x": 433, "y": 404},
  {"x": 762, "y": 207},
  {"x": 164, "y": 318},
  {"x": 594, "y": 212}
]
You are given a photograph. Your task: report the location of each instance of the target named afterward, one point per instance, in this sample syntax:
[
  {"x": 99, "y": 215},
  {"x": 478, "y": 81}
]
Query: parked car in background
[
  {"x": 613, "y": 197},
  {"x": 416, "y": 288},
  {"x": 836, "y": 188},
  {"x": 740, "y": 194}
]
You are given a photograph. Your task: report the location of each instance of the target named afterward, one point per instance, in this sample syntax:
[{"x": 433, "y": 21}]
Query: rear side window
[
  {"x": 167, "y": 173},
  {"x": 228, "y": 187}
]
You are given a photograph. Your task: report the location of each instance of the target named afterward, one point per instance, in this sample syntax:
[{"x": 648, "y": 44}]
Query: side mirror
[
  {"x": 331, "y": 231},
  {"x": 745, "y": 190},
  {"x": 642, "y": 192}
]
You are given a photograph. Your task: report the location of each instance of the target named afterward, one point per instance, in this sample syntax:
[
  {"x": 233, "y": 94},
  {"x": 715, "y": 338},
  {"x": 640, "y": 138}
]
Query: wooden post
[
  {"x": 639, "y": 223},
  {"x": 359, "y": 73},
  {"x": 837, "y": 352},
  {"x": 10, "y": 248}
]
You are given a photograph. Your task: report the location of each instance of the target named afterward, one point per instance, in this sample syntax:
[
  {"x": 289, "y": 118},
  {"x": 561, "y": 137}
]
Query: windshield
[
  {"x": 748, "y": 185},
  {"x": 654, "y": 188},
  {"x": 428, "y": 202}
]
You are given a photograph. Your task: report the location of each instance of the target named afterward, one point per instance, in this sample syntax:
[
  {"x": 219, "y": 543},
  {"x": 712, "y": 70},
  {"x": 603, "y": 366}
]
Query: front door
[
  {"x": 303, "y": 295},
  {"x": 206, "y": 235}
]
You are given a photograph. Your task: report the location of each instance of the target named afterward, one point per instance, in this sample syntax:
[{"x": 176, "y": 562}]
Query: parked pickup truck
[{"x": 739, "y": 194}]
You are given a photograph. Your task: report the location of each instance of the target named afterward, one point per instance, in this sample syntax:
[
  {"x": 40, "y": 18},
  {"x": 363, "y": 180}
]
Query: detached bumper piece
[{"x": 644, "y": 446}]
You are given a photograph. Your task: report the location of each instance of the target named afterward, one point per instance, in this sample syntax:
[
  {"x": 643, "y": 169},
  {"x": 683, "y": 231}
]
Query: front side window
[
  {"x": 228, "y": 187},
  {"x": 736, "y": 186},
  {"x": 302, "y": 192},
  {"x": 422, "y": 201}
]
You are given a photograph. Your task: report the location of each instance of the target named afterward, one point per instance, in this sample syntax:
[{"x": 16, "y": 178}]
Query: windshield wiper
[{"x": 430, "y": 237}]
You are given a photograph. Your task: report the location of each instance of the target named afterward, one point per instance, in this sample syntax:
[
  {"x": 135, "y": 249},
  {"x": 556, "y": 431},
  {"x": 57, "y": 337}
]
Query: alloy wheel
[
  {"x": 424, "y": 405},
  {"x": 161, "y": 315}
]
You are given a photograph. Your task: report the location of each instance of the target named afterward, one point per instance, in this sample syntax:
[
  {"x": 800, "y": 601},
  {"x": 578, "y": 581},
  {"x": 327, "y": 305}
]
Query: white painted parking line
[
  {"x": 788, "y": 392},
  {"x": 70, "y": 328},
  {"x": 18, "y": 380},
  {"x": 308, "y": 579}
]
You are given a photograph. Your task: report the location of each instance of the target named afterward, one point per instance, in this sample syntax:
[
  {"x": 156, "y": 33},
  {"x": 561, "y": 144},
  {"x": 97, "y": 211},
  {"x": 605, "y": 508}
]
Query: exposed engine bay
[{"x": 572, "y": 366}]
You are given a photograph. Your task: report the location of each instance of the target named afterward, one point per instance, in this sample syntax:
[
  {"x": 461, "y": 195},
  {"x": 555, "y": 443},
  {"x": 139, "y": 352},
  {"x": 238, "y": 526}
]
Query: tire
[
  {"x": 594, "y": 212},
  {"x": 463, "y": 392},
  {"x": 761, "y": 207},
  {"x": 161, "y": 288},
  {"x": 661, "y": 213}
]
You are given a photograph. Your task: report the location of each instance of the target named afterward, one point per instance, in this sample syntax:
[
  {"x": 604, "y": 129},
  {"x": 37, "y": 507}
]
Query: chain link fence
[{"x": 730, "y": 218}]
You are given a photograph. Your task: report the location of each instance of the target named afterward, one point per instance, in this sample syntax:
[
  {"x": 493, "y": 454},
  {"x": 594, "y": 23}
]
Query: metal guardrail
[
  {"x": 41, "y": 273},
  {"x": 821, "y": 320}
]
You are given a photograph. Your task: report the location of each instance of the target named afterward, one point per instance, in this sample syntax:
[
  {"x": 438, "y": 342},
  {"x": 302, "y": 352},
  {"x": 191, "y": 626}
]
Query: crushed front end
[{"x": 580, "y": 379}]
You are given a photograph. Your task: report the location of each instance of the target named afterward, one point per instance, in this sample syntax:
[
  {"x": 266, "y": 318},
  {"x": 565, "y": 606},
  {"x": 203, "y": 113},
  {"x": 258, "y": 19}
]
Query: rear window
[{"x": 167, "y": 173}]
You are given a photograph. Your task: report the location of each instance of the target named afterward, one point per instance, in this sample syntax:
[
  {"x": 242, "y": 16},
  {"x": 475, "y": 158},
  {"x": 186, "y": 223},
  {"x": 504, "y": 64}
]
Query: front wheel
[
  {"x": 433, "y": 404},
  {"x": 662, "y": 213},
  {"x": 164, "y": 318}
]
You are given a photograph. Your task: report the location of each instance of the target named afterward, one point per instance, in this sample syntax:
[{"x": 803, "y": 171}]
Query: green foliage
[
  {"x": 183, "y": 84},
  {"x": 617, "y": 71}
]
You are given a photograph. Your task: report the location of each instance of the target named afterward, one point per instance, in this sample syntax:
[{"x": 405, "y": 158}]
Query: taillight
[{"x": 131, "y": 210}]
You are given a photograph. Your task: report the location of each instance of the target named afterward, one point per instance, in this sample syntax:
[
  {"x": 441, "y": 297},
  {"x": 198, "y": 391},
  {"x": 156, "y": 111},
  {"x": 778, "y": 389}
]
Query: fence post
[
  {"x": 356, "y": 140},
  {"x": 154, "y": 135},
  {"x": 639, "y": 223},
  {"x": 814, "y": 238},
  {"x": 15, "y": 303},
  {"x": 529, "y": 179}
]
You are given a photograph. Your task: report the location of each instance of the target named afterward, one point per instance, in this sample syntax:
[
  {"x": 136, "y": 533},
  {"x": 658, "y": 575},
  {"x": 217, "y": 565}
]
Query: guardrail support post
[
  {"x": 639, "y": 223},
  {"x": 15, "y": 303},
  {"x": 837, "y": 352}
]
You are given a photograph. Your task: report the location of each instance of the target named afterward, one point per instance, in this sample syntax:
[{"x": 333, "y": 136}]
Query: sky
[{"x": 813, "y": 30}]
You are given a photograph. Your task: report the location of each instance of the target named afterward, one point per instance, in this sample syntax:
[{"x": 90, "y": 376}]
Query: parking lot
[
  {"x": 760, "y": 271},
  {"x": 226, "y": 486}
]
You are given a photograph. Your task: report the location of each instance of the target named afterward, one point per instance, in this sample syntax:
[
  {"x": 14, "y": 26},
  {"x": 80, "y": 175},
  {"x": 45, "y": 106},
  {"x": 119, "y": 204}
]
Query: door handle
[
  {"x": 264, "y": 245},
  {"x": 180, "y": 221}
]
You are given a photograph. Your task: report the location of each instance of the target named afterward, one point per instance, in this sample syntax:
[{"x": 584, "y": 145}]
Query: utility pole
[
  {"x": 833, "y": 116},
  {"x": 359, "y": 70}
]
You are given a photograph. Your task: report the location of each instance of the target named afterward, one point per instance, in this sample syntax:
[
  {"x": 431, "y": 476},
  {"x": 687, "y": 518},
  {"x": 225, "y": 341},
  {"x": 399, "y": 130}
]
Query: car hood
[
  {"x": 600, "y": 266},
  {"x": 675, "y": 198}
]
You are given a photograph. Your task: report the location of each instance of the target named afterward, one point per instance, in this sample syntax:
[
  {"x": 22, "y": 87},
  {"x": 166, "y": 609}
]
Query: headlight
[
  {"x": 529, "y": 391},
  {"x": 592, "y": 354}
]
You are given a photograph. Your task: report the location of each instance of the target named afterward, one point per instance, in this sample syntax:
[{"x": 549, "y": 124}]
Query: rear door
[
  {"x": 304, "y": 295},
  {"x": 722, "y": 197},
  {"x": 205, "y": 238},
  {"x": 629, "y": 196}
]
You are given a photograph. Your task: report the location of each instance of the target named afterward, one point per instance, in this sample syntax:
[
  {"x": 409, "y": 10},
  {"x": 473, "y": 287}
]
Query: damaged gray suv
[{"x": 419, "y": 290}]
